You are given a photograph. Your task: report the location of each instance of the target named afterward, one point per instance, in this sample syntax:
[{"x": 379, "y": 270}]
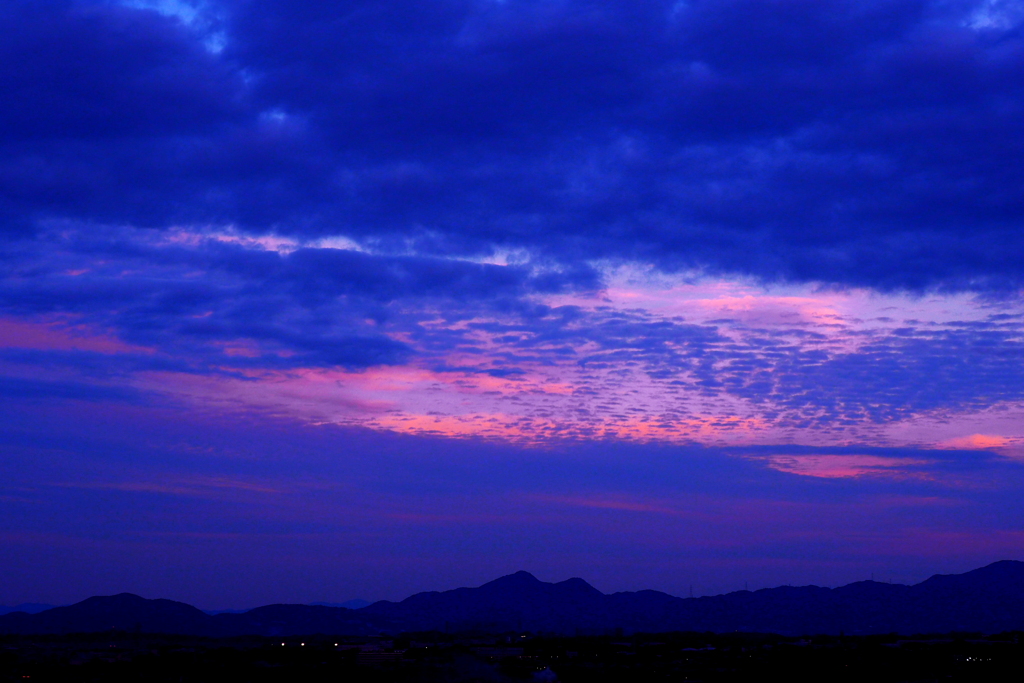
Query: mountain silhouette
[
  {"x": 988, "y": 600},
  {"x": 29, "y": 607},
  {"x": 349, "y": 604},
  {"x": 515, "y": 602},
  {"x": 122, "y": 612}
]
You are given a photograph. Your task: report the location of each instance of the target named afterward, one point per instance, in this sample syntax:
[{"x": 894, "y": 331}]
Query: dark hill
[
  {"x": 123, "y": 612},
  {"x": 29, "y": 607},
  {"x": 990, "y": 599},
  {"x": 515, "y": 602}
]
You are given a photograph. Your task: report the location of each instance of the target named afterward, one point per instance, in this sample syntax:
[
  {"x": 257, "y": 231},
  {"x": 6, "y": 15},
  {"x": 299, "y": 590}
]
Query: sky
[{"x": 312, "y": 301}]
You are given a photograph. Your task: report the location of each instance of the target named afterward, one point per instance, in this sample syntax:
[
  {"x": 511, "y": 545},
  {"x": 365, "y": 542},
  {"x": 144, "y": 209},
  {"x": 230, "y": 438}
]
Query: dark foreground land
[{"x": 118, "y": 656}]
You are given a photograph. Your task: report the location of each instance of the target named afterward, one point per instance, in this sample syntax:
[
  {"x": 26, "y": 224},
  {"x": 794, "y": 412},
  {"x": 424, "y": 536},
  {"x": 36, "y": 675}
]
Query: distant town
[{"x": 513, "y": 657}]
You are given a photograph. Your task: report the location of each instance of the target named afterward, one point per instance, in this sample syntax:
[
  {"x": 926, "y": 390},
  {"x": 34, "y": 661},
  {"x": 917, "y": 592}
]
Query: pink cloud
[
  {"x": 610, "y": 503},
  {"x": 840, "y": 466},
  {"x": 552, "y": 396},
  {"x": 199, "y": 487},
  {"x": 60, "y": 335},
  {"x": 978, "y": 442}
]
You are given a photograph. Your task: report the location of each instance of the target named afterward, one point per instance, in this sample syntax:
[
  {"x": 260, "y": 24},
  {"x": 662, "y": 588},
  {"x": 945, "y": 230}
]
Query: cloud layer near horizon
[{"x": 235, "y": 510}]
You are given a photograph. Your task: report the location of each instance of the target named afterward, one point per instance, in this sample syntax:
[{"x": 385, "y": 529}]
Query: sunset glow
[{"x": 354, "y": 301}]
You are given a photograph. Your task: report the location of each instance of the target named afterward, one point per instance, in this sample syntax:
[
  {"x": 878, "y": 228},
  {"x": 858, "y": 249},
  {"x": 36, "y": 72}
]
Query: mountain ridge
[{"x": 987, "y": 599}]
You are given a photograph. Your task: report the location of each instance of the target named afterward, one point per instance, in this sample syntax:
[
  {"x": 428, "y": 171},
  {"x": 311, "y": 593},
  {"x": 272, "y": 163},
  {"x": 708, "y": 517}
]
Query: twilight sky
[{"x": 306, "y": 300}]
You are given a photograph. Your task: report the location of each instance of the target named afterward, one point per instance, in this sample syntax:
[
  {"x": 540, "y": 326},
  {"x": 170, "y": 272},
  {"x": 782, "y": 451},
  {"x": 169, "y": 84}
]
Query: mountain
[
  {"x": 989, "y": 599},
  {"x": 348, "y": 604},
  {"x": 124, "y": 612},
  {"x": 27, "y": 607},
  {"x": 515, "y": 602}
]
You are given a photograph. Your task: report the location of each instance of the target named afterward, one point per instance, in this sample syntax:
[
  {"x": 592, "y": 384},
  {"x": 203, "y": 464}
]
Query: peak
[
  {"x": 1005, "y": 564},
  {"x": 520, "y": 578},
  {"x": 574, "y": 581},
  {"x": 579, "y": 585},
  {"x": 120, "y": 597},
  {"x": 997, "y": 569}
]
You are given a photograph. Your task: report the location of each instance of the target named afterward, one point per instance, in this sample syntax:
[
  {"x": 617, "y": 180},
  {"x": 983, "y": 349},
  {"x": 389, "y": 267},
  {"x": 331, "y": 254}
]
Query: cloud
[
  {"x": 518, "y": 348},
  {"x": 861, "y": 143},
  {"x": 839, "y": 466},
  {"x": 250, "y": 307},
  {"x": 15, "y": 388}
]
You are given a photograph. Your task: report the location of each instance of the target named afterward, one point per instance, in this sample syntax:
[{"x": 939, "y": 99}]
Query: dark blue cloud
[
  {"x": 85, "y": 73},
  {"x": 305, "y": 308},
  {"x": 859, "y": 143},
  {"x": 865, "y": 143}
]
